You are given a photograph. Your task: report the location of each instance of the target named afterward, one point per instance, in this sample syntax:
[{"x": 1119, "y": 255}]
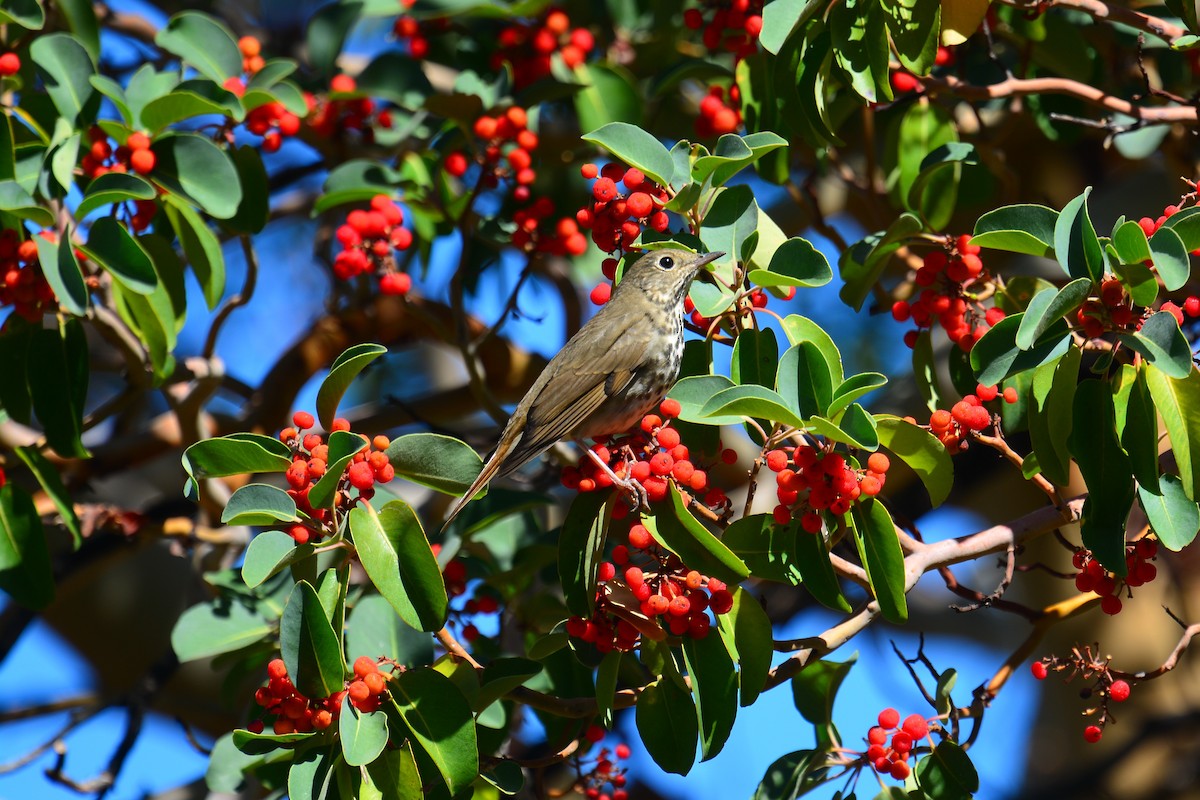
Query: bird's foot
[{"x": 634, "y": 491}]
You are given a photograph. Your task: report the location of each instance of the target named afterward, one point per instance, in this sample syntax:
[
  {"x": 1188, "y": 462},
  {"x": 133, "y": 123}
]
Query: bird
[{"x": 616, "y": 368}]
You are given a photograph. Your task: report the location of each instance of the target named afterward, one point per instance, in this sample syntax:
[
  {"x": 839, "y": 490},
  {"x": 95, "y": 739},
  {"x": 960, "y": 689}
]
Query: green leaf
[
  {"x": 268, "y": 553},
  {"x": 755, "y": 357},
  {"x": 853, "y": 388},
  {"x": 816, "y": 686},
  {"x": 934, "y": 193},
  {"x": 58, "y": 379},
  {"x": 202, "y": 42},
  {"x": 635, "y": 147},
  {"x": 1130, "y": 243},
  {"x": 1174, "y": 518},
  {"x": 805, "y": 380},
  {"x": 863, "y": 263},
  {"x": 502, "y": 675},
  {"x": 728, "y": 223},
  {"x": 812, "y": 553},
  {"x": 343, "y": 446},
  {"x": 715, "y": 686},
  {"x": 439, "y": 721},
  {"x": 26, "y": 13},
  {"x": 1162, "y": 343},
  {"x": 25, "y": 573},
  {"x": 781, "y": 18},
  {"x": 1178, "y": 403},
  {"x": 1170, "y": 258},
  {"x": 795, "y": 263},
  {"x": 182, "y": 104},
  {"x": 856, "y": 427},
  {"x": 61, "y": 270},
  {"x": 64, "y": 66},
  {"x": 201, "y": 173},
  {"x": 1137, "y": 424},
  {"x": 608, "y": 95},
  {"x": 216, "y": 627},
  {"x": 1106, "y": 472},
  {"x": 439, "y": 462},
  {"x": 267, "y": 743},
  {"x": 694, "y": 392},
  {"x": 746, "y": 631},
  {"x": 48, "y": 478},
  {"x": 1186, "y": 223},
  {"x": 1075, "y": 241},
  {"x": 201, "y": 247},
  {"x": 926, "y": 131},
  {"x": 606, "y": 686},
  {"x": 398, "y": 560},
  {"x": 314, "y": 773},
  {"x": 396, "y": 77},
  {"x": 327, "y": 31},
  {"x": 684, "y": 535},
  {"x": 240, "y": 454},
  {"x": 310, "y": 647},
  {"x": 796, "y": 773},
  {"x": 802, "y": 329},
  {"x": 1051, "y": 414},
  {"x": 879, "y": 548},
  {"x": 732, "y": 154},
  {"x": 914, "y": 26},
  {"x": 20, "y": 203},
  {"x": 767, "y": 549},
  {"x": 749, "y": 401},
  {"x": 947, "y": 773},
  {"x": 363, "y": 736},
  {"x": 861, "y": 47},
  {"x": 114, "y": 187},
  {"x": 996, "y": 357},
  {"x": 81, "y": 19},
  {"x": 345, "y": 369},
  {"x": 259, "y": 504},
  {"x": 1025, "y": 229},
  {"x": 1047, "y": 307},
  {"x": 111, "y": 246},
  {"x": 375, "y": 630},
  {"x": 394, "y": 774},
  {"x": 921, "y": 451},
  {"x": 254, "y": 210},
  {"x": 667, "y": 722},
  {"x": 581, "y": 549}
]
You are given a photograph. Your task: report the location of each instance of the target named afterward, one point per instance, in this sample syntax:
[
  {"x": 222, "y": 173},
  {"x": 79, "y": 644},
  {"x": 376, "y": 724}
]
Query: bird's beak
[{"x": 699, "y": 265}]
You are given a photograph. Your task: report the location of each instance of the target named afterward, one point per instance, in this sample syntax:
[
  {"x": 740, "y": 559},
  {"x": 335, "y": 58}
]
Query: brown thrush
[{"x": 613, "y": 371}]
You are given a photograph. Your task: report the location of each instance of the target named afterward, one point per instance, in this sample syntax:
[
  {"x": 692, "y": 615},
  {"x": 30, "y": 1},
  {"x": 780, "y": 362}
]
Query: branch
[
  {"x": 238, "y": 300},
  {"x": 1164, "y": 30}
]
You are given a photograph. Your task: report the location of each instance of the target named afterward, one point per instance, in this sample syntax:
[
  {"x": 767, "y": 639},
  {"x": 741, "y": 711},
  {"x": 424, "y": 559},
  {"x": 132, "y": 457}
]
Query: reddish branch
[{"x": 1167, "y": 31}]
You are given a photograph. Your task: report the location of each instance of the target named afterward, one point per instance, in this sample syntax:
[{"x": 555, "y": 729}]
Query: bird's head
[{"x": 665, "y": 275}]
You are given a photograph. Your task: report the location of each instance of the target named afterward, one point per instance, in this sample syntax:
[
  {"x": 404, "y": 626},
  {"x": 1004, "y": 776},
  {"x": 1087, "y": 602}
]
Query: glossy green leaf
[
  {"x": 259, "y": 504},
  {"x": 1075, "y": 242},
  {"x": 947, "y": 773},
  {"x": 64, "y": 66},
  {"x": 363, "y": 736},
  {"x": 200, "y": 246},
  {"x": 608, "y": 95},
  {"x": 1025, "y": 229},
  {"x": 61, "y": 270},
  {"x": 921, "y": 451},
  {"x": 375, "y": 630},
  {"x": 439, "y": 721},
  {"x": 1178, "y": 403},
  {"x": 755, "y": 357},
  {"x": 668, "y": 724},
  {"x": 1130, "y": 243},
  {"x": 1137, "y": 424},
  {"x": 394, "y": 776},
  {"x": 914, "y": 26},
  {"x": 635, "y": 147},
  {"x": 240, "y": 454},
  {"x": 996, "y": 356},
  {"x": 856, "y": 426},
  {"x": 863, "y": 263},
  {"x": 439, "y": 462},
  {"x": 1047, "y": 307},
  {"x": 925, "y": 131},
  {"x": 396, "y": 77},
  {"x": 861, "y": 47},
  {"x": 313, "y": 773},
  {"x": 1141, "y": 282},
  {"x": 879, "y": 549},
  {"x": 17, "y": 201},
  {"x": 1162, "y": 343},
  {"x": 114, "y": 187},
  {"x": 746, "y": 632},
  {"x": 1051, "y": 414},
  {"x": 795, "y": 263},
  {"x": 1106, "y": 472},
  {"x": 342, "y": 372},
  {"x": 398, "y": 560},
  {"x": 805, "y": 382},
  {"x": 794, "y": 774},
  {"x": 254, "y": 209},
  {"x": 694, "y": 392},
  {"x": 26, "y": 13},
  {"x": 25, "y": 573},
  {"x": 202, "y": 42},
  {"x": 1186, "y": 223},
  {"x": 48, "y": 478},
  {"x": 781, "y": 18},
  {"x": 767, "y": 549},
  {"x": 183, "y": 104},
  {"x": 327, "y": 30},
  {"x": 191, "y": 166},
  {"x": 218, "y": 626},
  {"x": 267, "y": 743},
  {"x": 502, "y": 675},
  {"x": 343, "y": 446},
  {"x": 934, "y": 193},
  {"x": 852, "y": 389},
  {"x": 715, "y": 686},
  {"x": 815, "y": 688},
  {"x": 729, "y": 221},
  {"x": 802, "y": 329},
  {"x": 581, "y": 549},
  {"x": 58, "y": 380},
  {"x": 1170, "y": 258},
  {"x": 111, "y": 246},
  {"x": 1174, "y": 517},
  {"x": 308, "y": 644},
  {"x": 752, "y": 401},
  {"x": 268, "y": 553},
  {"x": 732, "y": 154},
  {"x": 812, "y": 553},
  {"x": 684, "y": 535}
]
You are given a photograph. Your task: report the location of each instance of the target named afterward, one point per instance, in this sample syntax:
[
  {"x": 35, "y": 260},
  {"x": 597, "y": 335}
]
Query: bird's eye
[{"x": 666, "y": 262}]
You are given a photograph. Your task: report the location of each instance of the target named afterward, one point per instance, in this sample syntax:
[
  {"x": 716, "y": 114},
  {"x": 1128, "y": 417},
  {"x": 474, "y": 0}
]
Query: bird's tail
[{"x": 486, "y": 474}]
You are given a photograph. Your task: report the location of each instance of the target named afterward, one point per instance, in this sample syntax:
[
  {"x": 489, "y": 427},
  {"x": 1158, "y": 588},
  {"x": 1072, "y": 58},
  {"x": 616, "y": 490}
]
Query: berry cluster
[
  {"x": 1092, "y": 577},
  {"x": 295, "y": 713},
  {"x": 22, "y": 284},
  {"x": 272, "y": 121},
  {"x": 409, "y": 29},
  {"x": 507, "y": 151},
  {"x": 330, "y": 115},
  {"x": 616, "y": 218},
  {"x": 652, "y": 456},
  {"x": 718, "y": 117},
  {"x": 251, "y": 50},
  {"x": 952, "y": 281},
  {"x": 368, "y": 238},
  {"x": 100, "y": 157},
  {"x": 369, "y": 685},
  {"x": 1086, "y": 663},
  {"x": 529, "y": 47},
  {"x": 954, "y": 427},
  {"x": 561, "y": 238},
  {"x": 10, "y": 64},
  {"x": 892, "y": 758},
  {"x": 596, "y": 777},
  {"x": 310, "y": 457},
  {"x": 828, "y": 481},
  {"x": 734, "y": 26}
]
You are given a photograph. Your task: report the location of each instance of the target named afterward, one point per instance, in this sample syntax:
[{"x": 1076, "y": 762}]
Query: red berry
[
  {"x": 142, "y": 161},
  {"x": 1039, "y": 670},
  {"x": 1119, "y": 691},
  {"x": 10, "y": 64},
  {"x": 600, "y": 295},
  {"x": 889, "y": 718},
  {"x": 916, "y": 726},
  {"x": 1092, "y": 734},
  {"x": 361, "y": 475}
]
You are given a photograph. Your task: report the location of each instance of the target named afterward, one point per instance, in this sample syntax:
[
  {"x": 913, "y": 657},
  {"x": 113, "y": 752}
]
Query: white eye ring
[{"x": 666, "y": 262}]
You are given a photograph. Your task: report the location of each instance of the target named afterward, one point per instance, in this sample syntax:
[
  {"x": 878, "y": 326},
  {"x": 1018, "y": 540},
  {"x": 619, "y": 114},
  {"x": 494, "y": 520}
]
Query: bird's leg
[{"x": 639, "y": 498}]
